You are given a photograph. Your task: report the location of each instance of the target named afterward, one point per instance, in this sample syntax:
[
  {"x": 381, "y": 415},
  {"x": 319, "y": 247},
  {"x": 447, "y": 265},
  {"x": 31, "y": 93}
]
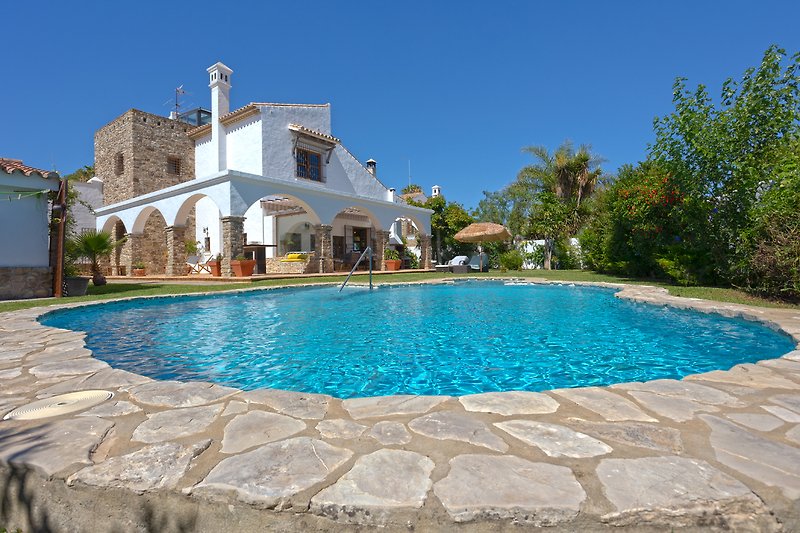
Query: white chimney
[
  {"x": 219, "y": 81},
  {"x": 372, "y": 167},
  {"x": 390, "y": 194},
  {"x": 436, "y": 191}
]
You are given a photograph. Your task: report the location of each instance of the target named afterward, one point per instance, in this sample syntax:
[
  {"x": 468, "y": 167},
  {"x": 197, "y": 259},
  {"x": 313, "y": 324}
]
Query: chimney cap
[
  {"x": 222, "y": 67},
  {"x": 371, "y": 162}
]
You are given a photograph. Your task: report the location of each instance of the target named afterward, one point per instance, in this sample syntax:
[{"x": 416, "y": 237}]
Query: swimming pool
[{"x": 457, "y": 338}]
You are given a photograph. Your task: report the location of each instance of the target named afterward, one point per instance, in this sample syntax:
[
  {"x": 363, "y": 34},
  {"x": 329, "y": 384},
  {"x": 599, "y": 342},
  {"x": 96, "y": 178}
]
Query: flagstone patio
[{"x": 716, "y": 451}]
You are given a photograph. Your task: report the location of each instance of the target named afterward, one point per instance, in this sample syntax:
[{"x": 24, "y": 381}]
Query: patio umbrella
[{"x": 483, "y": 232}]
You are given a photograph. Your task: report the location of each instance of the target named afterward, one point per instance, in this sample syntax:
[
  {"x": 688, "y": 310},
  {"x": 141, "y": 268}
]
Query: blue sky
[{"x": 457, "y": 88}]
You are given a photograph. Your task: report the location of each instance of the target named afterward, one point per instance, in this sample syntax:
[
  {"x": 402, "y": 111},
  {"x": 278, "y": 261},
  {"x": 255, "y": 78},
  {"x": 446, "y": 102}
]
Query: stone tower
[
  {"x": 135, "y": 154},
  {"x": 139, "y": 153}
]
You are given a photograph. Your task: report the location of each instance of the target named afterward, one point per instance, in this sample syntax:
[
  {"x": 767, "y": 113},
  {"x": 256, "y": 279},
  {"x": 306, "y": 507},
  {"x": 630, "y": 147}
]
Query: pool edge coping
[{"x": 785, "y": 320}]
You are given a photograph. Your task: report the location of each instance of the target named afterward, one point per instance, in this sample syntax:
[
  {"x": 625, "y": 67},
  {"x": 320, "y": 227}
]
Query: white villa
[{"x": 268, "y": 179}]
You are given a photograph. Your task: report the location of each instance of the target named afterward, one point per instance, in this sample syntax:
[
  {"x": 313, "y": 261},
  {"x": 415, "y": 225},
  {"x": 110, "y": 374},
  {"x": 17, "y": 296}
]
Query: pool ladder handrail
[{"x": 367, "y": 249}]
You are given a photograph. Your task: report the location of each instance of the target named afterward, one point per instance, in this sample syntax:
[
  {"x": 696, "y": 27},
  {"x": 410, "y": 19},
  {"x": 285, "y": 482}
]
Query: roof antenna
[
  {"x": 178, "y": 91},
  {"x": 409, "y": 173}
]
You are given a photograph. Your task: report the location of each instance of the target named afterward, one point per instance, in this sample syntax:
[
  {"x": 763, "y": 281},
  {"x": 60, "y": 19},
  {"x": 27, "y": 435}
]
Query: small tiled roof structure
[{"x": 15, "y": 165}]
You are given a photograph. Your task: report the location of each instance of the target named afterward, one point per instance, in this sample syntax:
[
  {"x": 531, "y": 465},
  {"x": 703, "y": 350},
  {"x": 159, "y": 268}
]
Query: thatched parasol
[{"x": 483, "y": 232}]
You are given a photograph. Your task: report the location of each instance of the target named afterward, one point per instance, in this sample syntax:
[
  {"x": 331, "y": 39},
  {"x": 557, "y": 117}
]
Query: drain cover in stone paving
[{"x": 59, "y": 405}]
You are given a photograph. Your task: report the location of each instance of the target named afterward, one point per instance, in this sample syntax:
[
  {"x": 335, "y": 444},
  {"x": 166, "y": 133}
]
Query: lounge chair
[
  {"x": 198, "y": 264},
  {"x": 455, "y": 265},
  {"x": 479, "y": 262}
]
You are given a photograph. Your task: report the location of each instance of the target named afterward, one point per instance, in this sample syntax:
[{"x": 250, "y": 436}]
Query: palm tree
[
  {"x": 94, "y": 245},
  {"x": 569, "y": 174},
  {"x": 566, "y": 176}
]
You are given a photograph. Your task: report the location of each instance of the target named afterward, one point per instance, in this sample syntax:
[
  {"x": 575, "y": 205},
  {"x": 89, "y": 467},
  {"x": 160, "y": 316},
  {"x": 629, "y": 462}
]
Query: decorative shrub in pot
[
  {"x": 139, "y": 269},
  {"x": 391, "y": 258},
  {"x": 242, "y": 267}
]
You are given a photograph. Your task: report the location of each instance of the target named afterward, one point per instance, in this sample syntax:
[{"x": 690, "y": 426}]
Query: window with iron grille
[
  {"x": 174, "y": 166},
  {"x": 119, "y": 164},
  {"x": 309, "y": 164}
]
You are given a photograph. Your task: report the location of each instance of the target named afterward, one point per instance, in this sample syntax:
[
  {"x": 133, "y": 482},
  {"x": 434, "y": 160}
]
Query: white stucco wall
[
  {"x": 278, "y": 139},
  {"x": 24, "y": 233},
  {"x": 244, "y": 145},
  {"x": 362, "y": 182},
  {"x": 207, "y": 216},
  {"x": 254, "y": 225},
  {"x": 90, "y": 194},
  {"x": 204, "y": 157}
]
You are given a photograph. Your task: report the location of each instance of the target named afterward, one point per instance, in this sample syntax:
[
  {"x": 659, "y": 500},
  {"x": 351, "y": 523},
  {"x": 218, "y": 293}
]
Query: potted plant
[
  {"x": 216, "y": 266},
  {"x": 94, "y": 245},
  {"x": 242, "y": 267},
  {"x": 391, "y": 259},
  {"x": 139, "y": 269},
  {"x": 74, "y": 283}
]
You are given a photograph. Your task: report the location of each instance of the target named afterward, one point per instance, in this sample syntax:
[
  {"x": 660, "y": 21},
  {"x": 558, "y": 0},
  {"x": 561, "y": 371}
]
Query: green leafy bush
[{"x": 511, "y": 260}]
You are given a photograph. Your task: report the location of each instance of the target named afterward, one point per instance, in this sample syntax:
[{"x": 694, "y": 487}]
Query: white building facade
[
  {"x": 25, "y": 269},
  {"x": 271, "y": 179}
]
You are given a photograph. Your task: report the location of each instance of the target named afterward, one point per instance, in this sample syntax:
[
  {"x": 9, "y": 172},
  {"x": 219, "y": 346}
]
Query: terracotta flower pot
[
  {"x": 216, "y": 268},
  {"x": 139, "y": 272},
  {"x": 393, "y": 264},
  {"x": 243, "y": 268}
]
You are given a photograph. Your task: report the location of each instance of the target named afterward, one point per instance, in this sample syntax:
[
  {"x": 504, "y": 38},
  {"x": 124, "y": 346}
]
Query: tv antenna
[
  {"x": 178, "y": 92},
  {"x": 409, "y": 173}
]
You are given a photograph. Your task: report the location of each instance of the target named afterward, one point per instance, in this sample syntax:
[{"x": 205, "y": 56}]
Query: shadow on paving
[{"x": 32, "y": 503}]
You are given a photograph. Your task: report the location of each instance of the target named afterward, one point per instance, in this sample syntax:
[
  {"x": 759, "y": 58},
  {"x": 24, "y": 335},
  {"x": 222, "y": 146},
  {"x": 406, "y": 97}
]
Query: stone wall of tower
[{"x": 145, "y": 143}]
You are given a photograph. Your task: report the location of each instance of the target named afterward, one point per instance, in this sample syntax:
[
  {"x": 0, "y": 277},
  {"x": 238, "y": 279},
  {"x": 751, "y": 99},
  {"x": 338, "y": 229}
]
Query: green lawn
[{"x": 118, "y": 290}]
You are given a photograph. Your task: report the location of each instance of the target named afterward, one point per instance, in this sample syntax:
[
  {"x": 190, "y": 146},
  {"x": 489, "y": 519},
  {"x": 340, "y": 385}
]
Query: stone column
[
  {"x": 131, "y": 252},
  {"x": 324, "y": 252},
  {"x": 425, "y": 251},
  {"x": 381, "y": 243},
  {"x": 232, "y": 245},
  {"x": 176, "y": 250}
]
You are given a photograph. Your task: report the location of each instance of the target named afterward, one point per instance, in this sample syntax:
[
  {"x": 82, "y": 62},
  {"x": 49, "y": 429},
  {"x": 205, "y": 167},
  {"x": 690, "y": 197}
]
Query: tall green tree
[
  {"x": 725, "y": 154},
  {"x": 84, "y": 173},
  {"x": 448, "y": 218}
]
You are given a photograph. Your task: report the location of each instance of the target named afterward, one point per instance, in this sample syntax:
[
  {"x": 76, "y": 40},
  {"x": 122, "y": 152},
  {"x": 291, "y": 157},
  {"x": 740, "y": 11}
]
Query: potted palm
[
  {"x": 94, "y": 245},
  {"x": 74, "y": 283},
  {"x": 242, "y": 267},
  {"x": 391, "y": 259}
]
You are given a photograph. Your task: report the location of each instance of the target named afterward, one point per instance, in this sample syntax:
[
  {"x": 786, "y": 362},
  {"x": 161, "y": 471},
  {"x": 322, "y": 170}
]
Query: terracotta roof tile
[
  {"x": 313, "y": 133},
  {"x": 12, "y": 165}
]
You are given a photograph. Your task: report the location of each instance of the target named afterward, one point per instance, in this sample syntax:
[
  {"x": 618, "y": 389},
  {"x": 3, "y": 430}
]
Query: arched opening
[
  {"x": 147, "y": 244},
  {"x": 200, "y": 216},
  {"x": 353, "y": 230},
  {"x": 114, "y": 265},
  {"x": 277, "y": 225},
  {"x": 405, "y": 238}
]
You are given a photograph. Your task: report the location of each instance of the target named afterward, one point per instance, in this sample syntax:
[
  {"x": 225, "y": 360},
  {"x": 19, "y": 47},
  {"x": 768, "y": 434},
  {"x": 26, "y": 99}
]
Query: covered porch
[{"x": 239, "y": 214}]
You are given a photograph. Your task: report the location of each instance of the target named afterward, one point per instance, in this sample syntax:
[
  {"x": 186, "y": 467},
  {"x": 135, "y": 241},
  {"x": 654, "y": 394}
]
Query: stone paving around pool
[{"x": 715, "y": 451}]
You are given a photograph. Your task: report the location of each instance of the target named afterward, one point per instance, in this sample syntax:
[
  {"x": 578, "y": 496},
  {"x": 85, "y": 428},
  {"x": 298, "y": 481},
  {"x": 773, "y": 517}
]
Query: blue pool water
[{"x": 451, "y": 339}]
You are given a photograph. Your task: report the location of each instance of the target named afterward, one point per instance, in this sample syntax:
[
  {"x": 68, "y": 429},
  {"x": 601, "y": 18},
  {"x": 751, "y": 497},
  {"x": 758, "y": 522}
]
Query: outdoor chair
[
  {"x": 456, "y": 265},
  {"x": 199, "y": 264},
  {"x": 479, "y": 262}
]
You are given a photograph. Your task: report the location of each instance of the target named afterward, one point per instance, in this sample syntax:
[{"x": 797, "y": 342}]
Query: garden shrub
[{"x": 511, "y": 260}]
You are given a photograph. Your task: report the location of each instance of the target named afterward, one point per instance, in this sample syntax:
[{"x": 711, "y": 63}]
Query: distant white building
[
  {"x": 269, "y": 179},
  {"x": 90, "y": 195}
]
